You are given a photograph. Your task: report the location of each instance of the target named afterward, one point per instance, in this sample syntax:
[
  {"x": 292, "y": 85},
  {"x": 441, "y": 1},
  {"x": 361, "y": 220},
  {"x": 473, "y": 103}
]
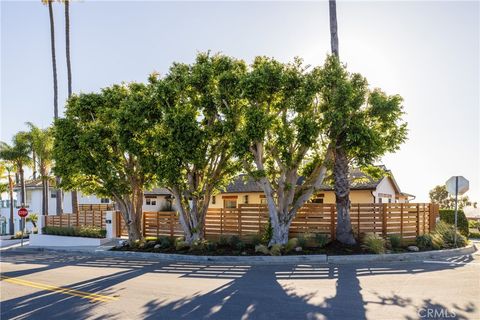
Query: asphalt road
[{"x": 64, "y": 286}]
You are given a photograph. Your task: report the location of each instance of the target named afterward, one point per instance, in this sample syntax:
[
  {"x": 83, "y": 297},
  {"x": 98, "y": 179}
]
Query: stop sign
[
  {"x": 22, "y": 212},
  {"x": 463, "y": 185}
]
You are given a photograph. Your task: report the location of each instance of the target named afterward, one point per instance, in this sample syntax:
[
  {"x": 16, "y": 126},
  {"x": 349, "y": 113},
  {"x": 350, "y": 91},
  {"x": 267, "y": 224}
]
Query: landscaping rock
[
  {"x": 298, "y": 249},
  {"x": 150, "y": 244},
  {"x": 157, "y": 246},
  {"x": 413, "y": 248}
]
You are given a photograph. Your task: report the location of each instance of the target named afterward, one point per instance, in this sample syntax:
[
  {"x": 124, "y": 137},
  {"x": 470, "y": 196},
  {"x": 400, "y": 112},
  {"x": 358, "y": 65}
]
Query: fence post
[
  {"x": 424, "y": 218},
  {"x": 384, "y": 220},
  {"x": 401, "y": 221},
  {"x": 418, "y": 219},
  {"x": 358, "y": 221},
  {"x": 143, "y": 223},
  {"x": 239, "y": 222},
  {"x": 158, "y": 224},
  {"x": 332, "y": 221},
  {"x": 221, "y": 222},
  {"x": 171, "y": 223},
  {"x": 60, "y": 216}
]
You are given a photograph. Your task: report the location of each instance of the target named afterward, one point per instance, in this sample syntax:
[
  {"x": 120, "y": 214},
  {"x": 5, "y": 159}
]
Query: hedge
[
  {"x": 85, "y": 231},
  {"x": 448, "y": 216}
]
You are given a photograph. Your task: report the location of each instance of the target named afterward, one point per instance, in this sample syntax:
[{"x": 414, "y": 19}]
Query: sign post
[
  {"x": 22, "y": 213},
  {"x": 457, "y": 185}
]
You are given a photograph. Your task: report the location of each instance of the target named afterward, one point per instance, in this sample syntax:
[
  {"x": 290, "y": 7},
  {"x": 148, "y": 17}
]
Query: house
[
  {"x": 158, "y": 199},
  {"x": 364, "y": 189}
]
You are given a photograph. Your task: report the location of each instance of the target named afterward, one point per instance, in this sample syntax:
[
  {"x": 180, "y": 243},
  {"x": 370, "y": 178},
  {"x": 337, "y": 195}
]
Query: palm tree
[
  {"x": 344, "y": 231},
  {"x": 8, "y": 167},
  {"x": 69, "y": 79},
  {"x": 19, "y": 155},
  {"x": 55, "y": 90},
  {"x": 42, "y": 142}
]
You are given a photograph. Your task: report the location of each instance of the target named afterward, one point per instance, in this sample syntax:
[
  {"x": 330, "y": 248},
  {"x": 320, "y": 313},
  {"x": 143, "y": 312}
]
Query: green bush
[
  {"x": 424, "y": 241},
  {"x": 84, "y": 231},
  {"x": 374, "y": 243},
  {"x": 256, "y": 240},
  {"x": 233, "y": 241},
  {"x": 474, "y": 235},
  {"x": 164, "y": 242},
  {"x": 211, "y": 246},
  {"x": 291, "y": 244},
  {"x": 181, "y": 245},
  {"x": 395, "y": 241},
  {"x": 276, "y": 250},
  {"x": 448, "y": 216},
  {"x": 199, "y": 245},
  {"x": 474, "y": 224},
  {"x": 223, "y": 241},
  {"x": 321, "y": 240},
  {"x": 267, "y": 233},
  {"x": 444, "y": 236},
  {"x": 261, "y": 249},
  {"x": 302, "y": 241}
]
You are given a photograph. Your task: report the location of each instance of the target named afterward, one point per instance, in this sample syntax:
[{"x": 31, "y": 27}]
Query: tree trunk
[
  {"x": 74, "y": 193},
  {"x": 280, "y": 233},
  {"x": 22, "y": 186},
  {"x": 11, "y": 222},
  {"x": 67, "y": 46},
  {"x": 333, "y": 27},
  {"x": 34, "y": 160},
  {"x": 44, "y": 196},
  {"x": 54, "y": 61},
  {"x": 130, "y": 207},
  {"x": 344, "y": 232},
  {"x": 59, "y": 194}
]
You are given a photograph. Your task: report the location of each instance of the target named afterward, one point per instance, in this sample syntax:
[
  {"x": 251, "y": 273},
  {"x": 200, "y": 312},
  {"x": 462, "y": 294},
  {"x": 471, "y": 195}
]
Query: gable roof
[{"x": 242, "y": 183}]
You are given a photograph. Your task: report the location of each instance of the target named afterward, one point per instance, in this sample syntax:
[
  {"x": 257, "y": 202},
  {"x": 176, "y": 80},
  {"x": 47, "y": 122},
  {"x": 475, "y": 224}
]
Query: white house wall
[{"x": 385, "y": 187}]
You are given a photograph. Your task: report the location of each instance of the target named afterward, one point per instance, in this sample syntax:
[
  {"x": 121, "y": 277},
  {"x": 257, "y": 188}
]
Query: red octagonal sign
[{"x": 22, "y": 212}]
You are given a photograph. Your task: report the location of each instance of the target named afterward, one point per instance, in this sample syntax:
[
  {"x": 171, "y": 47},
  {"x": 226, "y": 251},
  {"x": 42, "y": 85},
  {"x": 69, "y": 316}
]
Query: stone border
[{"x": 260, "y": 260}]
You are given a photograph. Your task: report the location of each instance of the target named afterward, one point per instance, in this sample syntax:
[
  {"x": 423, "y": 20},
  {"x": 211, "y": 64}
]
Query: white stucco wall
[{"x": 385, "y": 187}]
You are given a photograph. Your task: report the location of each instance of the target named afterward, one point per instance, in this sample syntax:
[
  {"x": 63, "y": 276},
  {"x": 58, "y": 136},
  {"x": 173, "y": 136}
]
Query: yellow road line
[{"x": 72, "y": 292}]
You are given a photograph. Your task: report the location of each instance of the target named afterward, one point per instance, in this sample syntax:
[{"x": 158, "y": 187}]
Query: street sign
[
  {"x": 456, "y": 185},
  {"x": 463, "y": 185},
  {"x": 22, "y": 212}
]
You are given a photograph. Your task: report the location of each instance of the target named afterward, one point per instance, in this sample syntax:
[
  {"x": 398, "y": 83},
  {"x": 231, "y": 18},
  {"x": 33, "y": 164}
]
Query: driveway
[{"x": 66, "y": 286}]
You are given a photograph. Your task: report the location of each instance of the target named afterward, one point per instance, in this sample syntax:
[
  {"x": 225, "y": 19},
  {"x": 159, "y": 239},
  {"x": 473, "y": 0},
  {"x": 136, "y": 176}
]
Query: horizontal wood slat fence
[
  {"x": 407, "y": 220},
  {"x": 88, "y": 215}
]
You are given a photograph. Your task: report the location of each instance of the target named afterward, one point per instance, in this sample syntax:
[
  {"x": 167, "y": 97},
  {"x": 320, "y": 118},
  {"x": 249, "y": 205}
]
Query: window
[
  {"x": 389, "y": 200},
  {"x": 380, "y": 200},
  {"x": 245, "y": 199},
  {"x": 230, "y": 204},
  {"x": 104, "y": 200},
  {"x": 263, "y": 201},
  {"x": 214, "y": 200},
  {"x": 53, "y": 194},
  {"x": 317, "y": 200},
  {"x": 151, "y": 201}
]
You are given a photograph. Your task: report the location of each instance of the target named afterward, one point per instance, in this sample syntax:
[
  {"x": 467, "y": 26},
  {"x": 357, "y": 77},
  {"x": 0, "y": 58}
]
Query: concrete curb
[
  {"x": 259, "y": 260},
  {"x": 410, "y": 256}
]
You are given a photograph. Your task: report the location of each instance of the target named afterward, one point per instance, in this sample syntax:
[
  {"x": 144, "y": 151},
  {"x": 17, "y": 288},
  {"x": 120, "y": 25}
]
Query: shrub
[
  {"x": 223, "y": 241},
  {"x": 446, "y": 232},
  {"x": 276, "y": 250},
  {"x": 199, "y": 245},
  {"x": 395, "y": 241},
  {"x": 18, "y": 235},
  {"x": 211, "y": 246},
  {"x": 473, "y": 224},
  {"x": 240, "y": 245},
  {"x": 164, "y": 242},
  {"x": 84, "y": 231},
  {"x": 181, "y": 245},
  {"x": 302, "y": 241},
  {"x": 291, "y": 245},
  {"x": 233, "y": 241},
  {"x": 256, "y": 240},
  {"x": 424, "y": 241},
  {"x": 474, "y": 235},
  {"x": 321, "y": 240},
  {"x": 374, "y": 243},
  {"x": 267, "y": 233},
  {"x": 448, "y": 216},
  {"x": 261, "y": 249}
]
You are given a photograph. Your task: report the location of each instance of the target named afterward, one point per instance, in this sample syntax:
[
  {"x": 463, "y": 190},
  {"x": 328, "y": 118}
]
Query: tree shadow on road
[{"x": 248, "y": 292}]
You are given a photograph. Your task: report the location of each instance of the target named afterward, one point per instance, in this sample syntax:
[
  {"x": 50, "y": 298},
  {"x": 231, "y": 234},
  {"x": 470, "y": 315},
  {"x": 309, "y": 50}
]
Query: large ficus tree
[
  {"x": 362, "y": 124},
  {"x": 200, "y": 106},
  {"x": 280, "y": 137},
  {"x": 100, "y": 147}
]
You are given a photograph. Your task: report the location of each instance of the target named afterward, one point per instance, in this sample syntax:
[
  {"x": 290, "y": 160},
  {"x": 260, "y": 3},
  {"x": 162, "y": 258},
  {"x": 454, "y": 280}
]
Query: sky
[{"x": 428, "y": 52}]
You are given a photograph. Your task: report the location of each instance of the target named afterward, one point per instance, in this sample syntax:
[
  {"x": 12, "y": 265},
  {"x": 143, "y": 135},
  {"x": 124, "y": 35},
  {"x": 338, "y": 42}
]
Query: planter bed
[
  {"x": 47, "y": 240},
  {"x": 331, "y": 249}
]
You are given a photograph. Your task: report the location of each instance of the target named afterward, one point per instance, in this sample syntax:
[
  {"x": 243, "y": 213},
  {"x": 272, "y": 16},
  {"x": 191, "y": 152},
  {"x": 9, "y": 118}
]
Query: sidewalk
[{"x": 9, "y": 244}]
